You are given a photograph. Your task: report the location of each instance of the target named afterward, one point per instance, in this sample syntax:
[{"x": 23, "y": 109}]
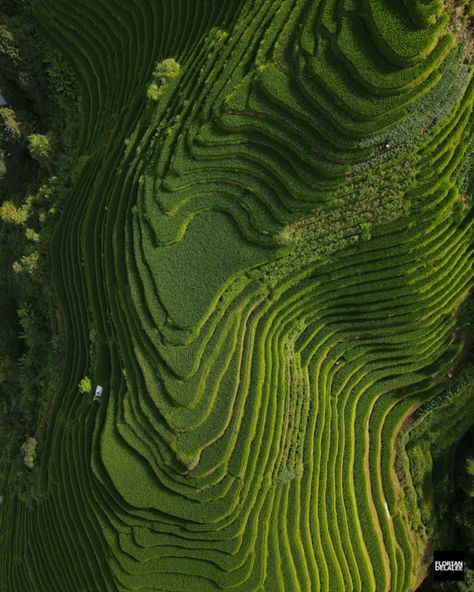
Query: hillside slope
[{"x": 261, "y": 260}]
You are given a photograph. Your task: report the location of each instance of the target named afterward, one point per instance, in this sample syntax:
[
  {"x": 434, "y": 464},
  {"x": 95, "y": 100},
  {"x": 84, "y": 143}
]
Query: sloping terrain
[{"x": 261, "y": 260}]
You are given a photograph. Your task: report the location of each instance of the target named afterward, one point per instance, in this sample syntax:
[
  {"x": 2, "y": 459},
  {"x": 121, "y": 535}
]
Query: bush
[
  {"x": 154, "y": 92},
  {"x": 27, "y": 264},
  {"x": 3, "y": 166},
  {"x": 32, "y": 235},
  {"x": 365, "y": 231},
  {"x": 29, "y": 451},
  {"x": 40, "y": 147},
  {"x": 164, "y": 72},
  {"x": 10, "y": 213},
  {"x": 85, "y": 386}
]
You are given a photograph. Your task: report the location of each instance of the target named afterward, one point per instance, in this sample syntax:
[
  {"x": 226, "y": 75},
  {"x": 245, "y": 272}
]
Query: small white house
[{"x": 98, "y": 393}]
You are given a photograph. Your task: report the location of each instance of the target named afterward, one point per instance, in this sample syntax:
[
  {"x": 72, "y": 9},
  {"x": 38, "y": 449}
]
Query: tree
[
  {"x": 10, "y": 124},
  {"x": 166, "y": 70},
  {"x": 85, "y": 386},
  {"x": 10, "y": 213},
  {"x": 40, "y": 147},
  {"x": 163, "y": 73},
  {"x": 21, "y": 61}
]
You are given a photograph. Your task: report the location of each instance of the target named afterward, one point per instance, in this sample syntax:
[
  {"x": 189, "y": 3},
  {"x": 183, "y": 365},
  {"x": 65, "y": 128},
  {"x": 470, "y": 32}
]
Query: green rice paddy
[{"x": 272, "y": 252}]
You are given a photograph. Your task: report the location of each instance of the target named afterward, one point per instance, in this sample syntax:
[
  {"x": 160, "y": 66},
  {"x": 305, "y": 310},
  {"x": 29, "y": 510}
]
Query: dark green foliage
[
  {"x": 467, "y": 479},
  {"x": 22, "y": 76},
  {"x": 41, "y": 98}
]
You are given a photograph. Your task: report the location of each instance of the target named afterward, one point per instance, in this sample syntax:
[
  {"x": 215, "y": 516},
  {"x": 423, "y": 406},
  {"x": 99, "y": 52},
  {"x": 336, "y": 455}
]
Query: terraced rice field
[{"x": 262, "y": 268}]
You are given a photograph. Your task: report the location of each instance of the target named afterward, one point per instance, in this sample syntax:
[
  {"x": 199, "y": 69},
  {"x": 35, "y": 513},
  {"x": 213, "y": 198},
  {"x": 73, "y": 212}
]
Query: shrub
[
  {"x": 29, "y": 451},
  {"x": 32, "y": 235},
  {"x": 85, "y": 386},
  {"x": 3, "y": 166},
  {"x": 365, "y": 231},
  {"x": 30, "y": 262},
  {"x": 27, "y": 264},
  {"x": 154, "y": 92},
  {"x": 40, "y": 147},
  {"x": 166, "y": 70}
]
